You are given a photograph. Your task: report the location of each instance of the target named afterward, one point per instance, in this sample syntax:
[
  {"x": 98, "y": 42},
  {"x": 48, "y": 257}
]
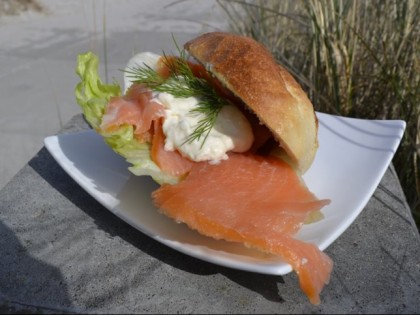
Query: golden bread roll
[{"x": 251, "y": 73}]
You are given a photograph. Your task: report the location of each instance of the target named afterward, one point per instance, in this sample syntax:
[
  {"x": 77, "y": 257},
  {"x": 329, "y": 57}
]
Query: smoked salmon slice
[
  {"x": 135, "y": 108},
  {"x": 255, "y": 200},
  {"x": 170, "y": 162}
]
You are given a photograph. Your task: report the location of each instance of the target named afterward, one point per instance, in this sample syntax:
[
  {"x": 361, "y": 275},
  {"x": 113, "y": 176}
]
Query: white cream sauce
[{"x": 231, "y": 132}]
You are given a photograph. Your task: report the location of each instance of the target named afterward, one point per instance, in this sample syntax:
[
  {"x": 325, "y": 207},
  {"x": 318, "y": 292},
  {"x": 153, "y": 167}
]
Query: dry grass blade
[{"x": 352, "y": 59}]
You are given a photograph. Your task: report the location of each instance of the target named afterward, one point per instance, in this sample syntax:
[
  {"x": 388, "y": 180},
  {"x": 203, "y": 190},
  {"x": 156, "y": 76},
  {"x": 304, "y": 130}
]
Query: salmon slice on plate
[{"x": 254, "y": 200}]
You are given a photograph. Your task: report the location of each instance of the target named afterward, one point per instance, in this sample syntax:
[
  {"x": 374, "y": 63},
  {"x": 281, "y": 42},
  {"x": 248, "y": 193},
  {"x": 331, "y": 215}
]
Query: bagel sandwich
[{"x": 227, "y": 133}]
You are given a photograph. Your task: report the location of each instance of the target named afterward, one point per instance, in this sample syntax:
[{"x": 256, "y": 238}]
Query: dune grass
[{"x": 354, "y": 58}]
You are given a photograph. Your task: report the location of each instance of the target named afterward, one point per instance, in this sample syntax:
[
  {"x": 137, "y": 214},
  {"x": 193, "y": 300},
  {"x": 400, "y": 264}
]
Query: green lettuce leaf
[{"x": 93, "y": 96}]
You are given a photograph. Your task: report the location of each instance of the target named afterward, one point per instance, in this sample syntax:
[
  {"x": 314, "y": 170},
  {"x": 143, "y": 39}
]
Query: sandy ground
[{"x": 39, "y": 48}]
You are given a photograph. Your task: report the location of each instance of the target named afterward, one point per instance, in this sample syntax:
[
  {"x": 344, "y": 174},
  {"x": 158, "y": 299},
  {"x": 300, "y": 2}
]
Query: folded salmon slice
[
  {"x": 138, "y": 109},
  {"x": 135, "y": 108},
  {"x": 170, "y": 162},
  {"x": 254, "y": 200}
]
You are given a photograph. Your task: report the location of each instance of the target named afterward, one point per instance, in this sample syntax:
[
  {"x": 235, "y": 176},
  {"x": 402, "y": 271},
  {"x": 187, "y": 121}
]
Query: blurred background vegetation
[
  {"x": 354, "y": 58},
  {"x": 15, "y": 7}
]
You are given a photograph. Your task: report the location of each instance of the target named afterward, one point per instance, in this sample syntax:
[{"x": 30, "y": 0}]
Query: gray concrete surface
[
  {"x": 38, "y": 54},
  {"x": 61, "y": 251}
]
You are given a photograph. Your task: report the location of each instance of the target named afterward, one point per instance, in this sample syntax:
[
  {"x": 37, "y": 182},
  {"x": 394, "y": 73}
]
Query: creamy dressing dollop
[{"x": 231, "y": 132}]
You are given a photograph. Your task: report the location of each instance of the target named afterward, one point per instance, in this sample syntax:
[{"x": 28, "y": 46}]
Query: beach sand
[{"x": 40, "y": 44}]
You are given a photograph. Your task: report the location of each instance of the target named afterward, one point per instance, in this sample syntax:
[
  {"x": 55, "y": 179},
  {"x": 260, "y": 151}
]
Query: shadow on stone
[
  {"x": 44, "y": 164},
  {"x": 28, "y": 285}
]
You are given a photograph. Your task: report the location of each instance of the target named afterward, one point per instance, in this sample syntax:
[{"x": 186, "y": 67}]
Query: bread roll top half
[{"x": 251, "y": 73}]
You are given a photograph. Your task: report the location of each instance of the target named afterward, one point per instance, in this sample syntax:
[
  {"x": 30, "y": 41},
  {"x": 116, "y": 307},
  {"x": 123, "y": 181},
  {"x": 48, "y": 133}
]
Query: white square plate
[{"x": 352, "y": 158}]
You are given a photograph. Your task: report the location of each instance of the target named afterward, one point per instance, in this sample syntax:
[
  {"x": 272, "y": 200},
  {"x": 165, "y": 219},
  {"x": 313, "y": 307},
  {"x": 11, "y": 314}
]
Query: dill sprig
[{"x": 182, "y": 83}]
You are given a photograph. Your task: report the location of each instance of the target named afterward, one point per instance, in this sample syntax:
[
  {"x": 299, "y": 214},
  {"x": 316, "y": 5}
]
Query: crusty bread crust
[{"x": 249, "y": 70}]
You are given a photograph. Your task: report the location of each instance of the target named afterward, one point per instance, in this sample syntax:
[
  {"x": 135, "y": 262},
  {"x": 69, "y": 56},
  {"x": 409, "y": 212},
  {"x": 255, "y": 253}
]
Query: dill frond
[{"x": 183, "y": 84}]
